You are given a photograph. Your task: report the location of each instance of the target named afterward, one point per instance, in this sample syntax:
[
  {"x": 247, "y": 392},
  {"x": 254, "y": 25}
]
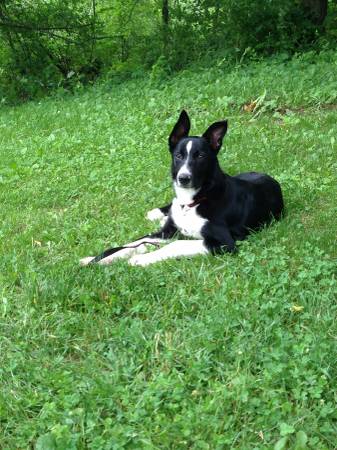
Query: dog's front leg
[
  {"x": 173, "y": 250},
  {"x": 218, "y": 239},
  {"x": 159, "y": 214},
  {"x": 133, "y": 248}
]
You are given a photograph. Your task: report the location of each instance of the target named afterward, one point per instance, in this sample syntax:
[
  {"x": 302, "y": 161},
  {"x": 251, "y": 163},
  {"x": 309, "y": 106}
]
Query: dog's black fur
[{"x": 233, "y": 205}]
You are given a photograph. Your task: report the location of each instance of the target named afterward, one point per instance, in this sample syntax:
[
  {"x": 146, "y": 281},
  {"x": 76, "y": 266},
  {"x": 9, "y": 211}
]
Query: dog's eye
[
  {"x": 179, "y": 156},
  {"x": 200, "y": 155}
]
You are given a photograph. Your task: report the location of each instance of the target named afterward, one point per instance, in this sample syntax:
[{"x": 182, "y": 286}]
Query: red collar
[{"x": 195, "y": 203}]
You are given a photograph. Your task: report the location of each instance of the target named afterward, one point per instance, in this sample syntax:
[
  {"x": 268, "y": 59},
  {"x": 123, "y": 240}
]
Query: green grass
[{"x": 230, "y": 352}]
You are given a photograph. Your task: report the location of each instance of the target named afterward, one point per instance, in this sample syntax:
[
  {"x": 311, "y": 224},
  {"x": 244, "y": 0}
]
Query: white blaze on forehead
[
  {"x": 189, "y": 146},
  {"x": 184, "y": 170}
]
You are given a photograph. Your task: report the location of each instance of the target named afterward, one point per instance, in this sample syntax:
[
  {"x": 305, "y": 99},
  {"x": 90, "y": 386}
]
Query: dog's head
[{"x": 194, "y": 158}]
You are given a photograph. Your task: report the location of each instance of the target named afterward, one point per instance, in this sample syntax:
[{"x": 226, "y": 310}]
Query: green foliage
[
  {"x": 50, "y": 44},
  {"x": 46, "y": 45},
  {"x": 212, "y": 352},
  {"x": 160, "y": 70},
  {"x": 265, "y": 27}
]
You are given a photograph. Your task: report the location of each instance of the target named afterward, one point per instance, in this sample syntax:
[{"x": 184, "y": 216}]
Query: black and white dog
[{"x": 210, "y": 206}]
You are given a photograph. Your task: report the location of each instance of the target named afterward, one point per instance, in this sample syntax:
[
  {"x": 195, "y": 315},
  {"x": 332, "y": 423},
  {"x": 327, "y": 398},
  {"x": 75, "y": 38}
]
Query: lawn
[{"x": 228, "y": 352}]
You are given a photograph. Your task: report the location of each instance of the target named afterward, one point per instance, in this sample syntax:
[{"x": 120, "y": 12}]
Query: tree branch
[{"x": 42, "y": 29}]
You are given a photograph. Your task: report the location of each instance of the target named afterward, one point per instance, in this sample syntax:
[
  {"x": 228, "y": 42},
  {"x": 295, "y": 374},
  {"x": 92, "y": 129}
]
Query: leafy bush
[
  {"x": 46, "y": 45},
  {"x": 54, "y": 44},
  {"x": 266, "y": 27}
]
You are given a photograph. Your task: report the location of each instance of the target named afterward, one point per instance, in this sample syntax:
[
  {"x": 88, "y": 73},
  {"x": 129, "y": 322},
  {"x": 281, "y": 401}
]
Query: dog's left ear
[
  {"x": 180, "y": 130},
  {"x": 215, "y": 133}
]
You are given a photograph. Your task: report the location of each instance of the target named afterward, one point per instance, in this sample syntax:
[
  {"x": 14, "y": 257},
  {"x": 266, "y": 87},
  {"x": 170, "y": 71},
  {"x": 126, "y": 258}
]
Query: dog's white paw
[
  {"x": 86, "y": 261},
  {"x": 155, "y": 214}
]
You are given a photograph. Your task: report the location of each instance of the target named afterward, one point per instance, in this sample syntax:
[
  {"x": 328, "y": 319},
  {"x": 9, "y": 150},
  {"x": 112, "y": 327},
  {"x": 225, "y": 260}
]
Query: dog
[{"x": 213, "y": 208}]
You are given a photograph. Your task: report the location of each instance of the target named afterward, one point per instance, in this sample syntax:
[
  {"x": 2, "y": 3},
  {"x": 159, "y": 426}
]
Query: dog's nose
[{"x": 184, "y": 179}]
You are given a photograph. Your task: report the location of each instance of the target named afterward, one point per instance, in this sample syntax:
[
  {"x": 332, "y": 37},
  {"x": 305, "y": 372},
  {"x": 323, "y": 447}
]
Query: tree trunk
[
  {"x": 317, "y": 10},
  {"x": 165, "y": 13}
]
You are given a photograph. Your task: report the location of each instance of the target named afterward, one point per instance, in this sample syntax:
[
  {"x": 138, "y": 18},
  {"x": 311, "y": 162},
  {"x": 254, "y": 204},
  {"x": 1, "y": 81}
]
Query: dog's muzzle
[{"x": 184, "y": 180}]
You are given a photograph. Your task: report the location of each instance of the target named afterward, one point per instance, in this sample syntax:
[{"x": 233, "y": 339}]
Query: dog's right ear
[{"x": 180, "y": 130}]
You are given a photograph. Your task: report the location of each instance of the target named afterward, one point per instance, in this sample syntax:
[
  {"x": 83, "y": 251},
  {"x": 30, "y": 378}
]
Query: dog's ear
[
  {"x": 180, "y": 130},
  {"x": 215, "y": 133}
]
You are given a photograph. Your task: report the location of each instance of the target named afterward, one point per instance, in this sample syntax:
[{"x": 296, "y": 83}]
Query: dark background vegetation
[{"x": 45, "y": 45}]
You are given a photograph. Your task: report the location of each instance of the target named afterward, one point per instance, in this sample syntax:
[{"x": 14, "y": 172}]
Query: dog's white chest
[{"x": 186, "y": 219}]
